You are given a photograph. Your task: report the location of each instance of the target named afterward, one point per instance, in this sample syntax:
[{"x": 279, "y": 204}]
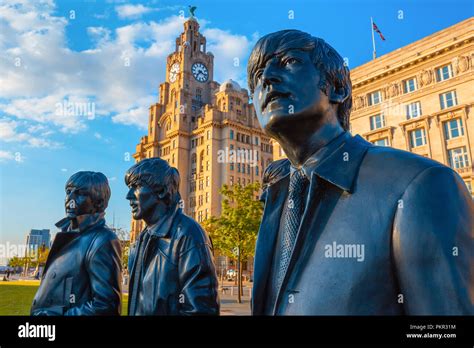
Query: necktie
[{"x": 292, "y": 219}]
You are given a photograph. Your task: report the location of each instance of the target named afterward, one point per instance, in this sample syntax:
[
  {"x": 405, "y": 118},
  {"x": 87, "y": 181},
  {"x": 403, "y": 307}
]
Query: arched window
[
  {"x": 201, "y": 162},
  {"x": 193, "y": 163}
]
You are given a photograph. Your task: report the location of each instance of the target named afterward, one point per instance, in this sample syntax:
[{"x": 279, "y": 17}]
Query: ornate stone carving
[
  {"x": 359, "y": 102},
  {"x": 393, "y": 89},
  {"x": 461, "y": 64},
  {"x": 425, "y": 77}
]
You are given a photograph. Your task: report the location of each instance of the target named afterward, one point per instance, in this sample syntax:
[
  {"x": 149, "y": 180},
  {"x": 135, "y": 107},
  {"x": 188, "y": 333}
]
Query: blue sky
[{"x": 75, "y": 51}]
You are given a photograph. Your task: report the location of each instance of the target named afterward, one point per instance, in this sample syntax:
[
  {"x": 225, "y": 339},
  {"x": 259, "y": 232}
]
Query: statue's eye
[
  {"x": 289, "y": 61},
  {"x": 258, "y": 75}
]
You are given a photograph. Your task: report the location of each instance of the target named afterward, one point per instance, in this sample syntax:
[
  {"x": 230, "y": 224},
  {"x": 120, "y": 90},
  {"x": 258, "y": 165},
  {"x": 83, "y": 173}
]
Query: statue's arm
[
  {"x": 433, "y": 245},
  {"x": 197, "y": 276},
  {"x": 105, "y": 273}
]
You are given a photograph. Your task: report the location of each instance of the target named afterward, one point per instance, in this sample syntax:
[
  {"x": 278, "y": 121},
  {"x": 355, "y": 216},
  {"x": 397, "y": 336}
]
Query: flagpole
[{"x": 374, "y": 55}]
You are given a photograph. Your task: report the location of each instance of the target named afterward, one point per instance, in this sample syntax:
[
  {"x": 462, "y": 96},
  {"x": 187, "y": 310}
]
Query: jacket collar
[
  {"x": 337, "y": 162},
  {"x": 84, "y": 222},
  {"x": 162, "y": 228}
]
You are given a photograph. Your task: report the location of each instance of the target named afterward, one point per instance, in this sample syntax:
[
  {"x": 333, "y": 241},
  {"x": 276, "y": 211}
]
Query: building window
[
  {"x": 207, "y": 150},
  {"x": 200, "y": 200},
  {"x": 207, "y": 197},
  {"x": 201, "y": 184},
  {"x": 448, "y": 99},
  {"x": 469, "y": 187},
  {"x": 444, "y": 73},
  {"x": 417, "y": 137},
  {"x": 231, "y": 180},
  {"x": 208, "y": 134},
  {"x": 231, "y": 134},
  {"x": 413, "y": 110},
  {"x": 237, "y": 101},
  {"x": 199, "y": 216},
  {"x": 174, "y": 144},
  {"x": 238, "y": 167},
  {"x": 453, "y": 128},
  {"x": 458, "y": 157},
  {"x": 377, "y": 121},
  {"x": 256, "y": 170},
  {"x": 192, "y": 186},
  {"x": 232, "y": 166},
  {"x": 381, "y": 142},
  {"x": 207, "y": 165},
  {"x": 198, "y": 94},
  {"x": 256, "y": 140},
  {"x": 409, "y": 85},
  {"x": 375, "y": 98},
  {"x": 248, "y": 168},
  {"x": 172, "y": 158},
  {"x": 207, "y": 181}
]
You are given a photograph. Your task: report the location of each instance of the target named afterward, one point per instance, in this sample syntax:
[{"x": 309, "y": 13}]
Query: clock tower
[{"x": 195, "y": 121}]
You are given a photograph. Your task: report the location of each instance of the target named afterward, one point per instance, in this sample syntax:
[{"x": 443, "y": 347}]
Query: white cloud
[
  {"x": 132, "y": 11},
  {"x": 119, "y": 73},
  {"x": 10, "y": 134},
  {"x": 6, "y": 156}
]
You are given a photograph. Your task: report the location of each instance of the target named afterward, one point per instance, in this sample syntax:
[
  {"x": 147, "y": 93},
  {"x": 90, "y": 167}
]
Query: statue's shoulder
[{"x": 275, "y": 171}]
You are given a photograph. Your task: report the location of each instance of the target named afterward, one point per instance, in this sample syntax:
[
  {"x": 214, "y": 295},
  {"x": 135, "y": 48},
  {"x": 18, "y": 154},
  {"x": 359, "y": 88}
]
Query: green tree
[
  {"x": 16, "y": 261},
  {"x": 234, "y": 233}
]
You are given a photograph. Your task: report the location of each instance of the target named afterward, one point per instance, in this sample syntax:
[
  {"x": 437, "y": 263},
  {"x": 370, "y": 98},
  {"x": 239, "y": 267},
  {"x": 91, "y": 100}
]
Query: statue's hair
[
  {"x": 157, "y": 174},
  {"x": 325, "y": 58},
  {"x": 95, "y": 184}
]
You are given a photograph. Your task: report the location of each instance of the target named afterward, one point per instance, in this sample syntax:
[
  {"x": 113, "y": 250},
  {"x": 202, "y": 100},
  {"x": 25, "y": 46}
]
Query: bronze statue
[
  {"x": 171, "y": 265},
  {"x": 82, "y": 275},
  {"x": 349, "y": 228}
]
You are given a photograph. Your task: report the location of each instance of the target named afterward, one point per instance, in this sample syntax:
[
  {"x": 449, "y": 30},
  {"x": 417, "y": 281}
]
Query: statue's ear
[
  {"x": 338, "y": 95},
  {"x": 162, "y": 194},
  {"x": 99, "y": 205}
]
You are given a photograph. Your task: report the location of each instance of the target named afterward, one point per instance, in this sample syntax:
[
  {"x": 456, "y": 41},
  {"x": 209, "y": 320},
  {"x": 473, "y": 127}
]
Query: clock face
[
  {"x": 174, "y": 71},
  {"x": 200, "y": 72}
]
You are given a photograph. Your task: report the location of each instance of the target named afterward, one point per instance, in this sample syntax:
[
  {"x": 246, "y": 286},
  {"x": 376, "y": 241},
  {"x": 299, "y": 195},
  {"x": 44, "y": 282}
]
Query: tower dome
[{"x": 230, "y": 84}]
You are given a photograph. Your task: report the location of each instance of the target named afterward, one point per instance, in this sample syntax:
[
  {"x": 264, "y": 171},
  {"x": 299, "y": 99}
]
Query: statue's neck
[{"x": 299, "y": 144}]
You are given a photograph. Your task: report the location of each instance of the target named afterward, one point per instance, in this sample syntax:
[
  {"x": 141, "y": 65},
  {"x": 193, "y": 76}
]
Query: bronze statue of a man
[
  {"x": 83, "y": 272},
  {"x": 349, "y": 228},
  {"x": 171, "y": 265}
]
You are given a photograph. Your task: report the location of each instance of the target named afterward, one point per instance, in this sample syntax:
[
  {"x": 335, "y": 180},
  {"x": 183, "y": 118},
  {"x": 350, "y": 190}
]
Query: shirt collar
[
  {"x": 161, "y": 228},
  {"x": 338, "y": 161},
  {"x": 84, "y": 222}
]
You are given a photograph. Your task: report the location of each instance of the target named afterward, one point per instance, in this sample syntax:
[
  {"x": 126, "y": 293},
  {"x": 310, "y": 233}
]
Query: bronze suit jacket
[
  {"x": 83, "y": 273},
  {"x": 384, "y": 232}
]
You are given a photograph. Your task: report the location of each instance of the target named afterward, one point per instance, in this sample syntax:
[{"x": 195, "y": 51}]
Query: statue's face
[
  {"x": 78, "y": 202},
  {"x": 142, "y": 200},
  {"x": 286, "y": 89}
]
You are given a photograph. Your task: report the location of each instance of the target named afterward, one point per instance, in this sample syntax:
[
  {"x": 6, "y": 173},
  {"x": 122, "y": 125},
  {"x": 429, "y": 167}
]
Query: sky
[{"x": 111, "y": 55}]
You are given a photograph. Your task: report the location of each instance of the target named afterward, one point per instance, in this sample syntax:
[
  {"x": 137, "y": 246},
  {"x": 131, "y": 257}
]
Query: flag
[{"x": 377, "y": 30}]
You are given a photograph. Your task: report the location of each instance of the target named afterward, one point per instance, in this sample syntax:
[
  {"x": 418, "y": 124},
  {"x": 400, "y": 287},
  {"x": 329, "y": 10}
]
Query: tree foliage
[{"x": 237, "y": 227}]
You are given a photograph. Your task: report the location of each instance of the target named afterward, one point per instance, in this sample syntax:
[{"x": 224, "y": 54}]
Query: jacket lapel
[
  {"x": 61, "y": 239},
  {"x": 329, "y": 179},
  {"x": 265, "y": 246}
]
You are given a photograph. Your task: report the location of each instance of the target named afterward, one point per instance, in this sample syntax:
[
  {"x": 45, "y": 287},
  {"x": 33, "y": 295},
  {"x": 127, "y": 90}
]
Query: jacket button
[{"x": 53, "y": 275}]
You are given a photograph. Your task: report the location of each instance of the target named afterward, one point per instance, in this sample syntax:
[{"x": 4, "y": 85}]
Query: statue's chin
[{"x": 280, "y": 121}]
